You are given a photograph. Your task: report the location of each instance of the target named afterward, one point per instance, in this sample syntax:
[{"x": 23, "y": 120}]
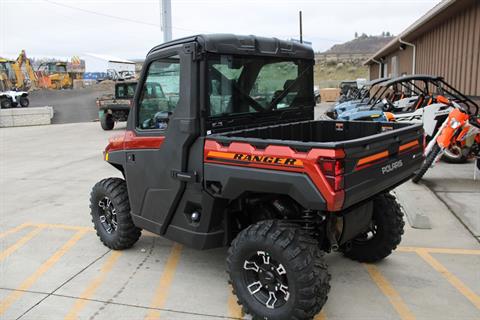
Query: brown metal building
[{"x": 444, "y": 42}]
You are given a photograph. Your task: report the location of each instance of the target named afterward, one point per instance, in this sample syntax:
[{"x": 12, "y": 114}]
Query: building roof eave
[{"x": 409, "y": 33}]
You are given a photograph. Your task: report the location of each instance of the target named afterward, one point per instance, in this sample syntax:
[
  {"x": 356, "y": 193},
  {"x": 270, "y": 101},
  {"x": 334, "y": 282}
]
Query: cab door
[{"x": 163, "y": 125}]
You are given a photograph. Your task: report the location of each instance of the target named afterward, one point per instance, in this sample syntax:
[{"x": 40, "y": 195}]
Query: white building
[{"x": 101, "y": 63}]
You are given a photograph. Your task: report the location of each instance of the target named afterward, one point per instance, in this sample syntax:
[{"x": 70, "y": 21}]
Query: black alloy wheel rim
[
  {"x": 266, "y": 280},
  {"x": 368, "y": 235},
  {"x": 107, "y": 215}
]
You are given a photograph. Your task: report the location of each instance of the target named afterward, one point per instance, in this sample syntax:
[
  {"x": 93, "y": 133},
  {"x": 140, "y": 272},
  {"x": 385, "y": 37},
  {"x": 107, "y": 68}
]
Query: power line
[
  {"x": 102, "y": 14},
  {"x": 158, "y": 26},
  {"x": 118, "y": 18}
]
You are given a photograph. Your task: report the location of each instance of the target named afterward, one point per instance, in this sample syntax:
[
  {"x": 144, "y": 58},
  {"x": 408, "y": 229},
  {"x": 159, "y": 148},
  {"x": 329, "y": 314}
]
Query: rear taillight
[{"x": 333, "y": 170}]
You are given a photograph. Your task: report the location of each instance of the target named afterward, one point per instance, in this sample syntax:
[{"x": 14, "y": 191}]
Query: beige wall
[
  {"x": 451, "y": 49},
  {"x": 404, "y": 63}
]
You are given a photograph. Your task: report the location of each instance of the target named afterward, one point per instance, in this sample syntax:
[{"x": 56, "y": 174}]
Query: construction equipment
[
  {"x": 6, "y": 75},
  {"x": 12, "y": 76},
  {"x": 32, "y": 81},
  {"x": 54, "y": 75}
]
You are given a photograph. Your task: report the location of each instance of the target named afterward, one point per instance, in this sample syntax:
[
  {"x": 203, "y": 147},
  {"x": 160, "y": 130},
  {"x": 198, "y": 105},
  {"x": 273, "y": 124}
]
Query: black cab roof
[{"x": 245, "y": 45}]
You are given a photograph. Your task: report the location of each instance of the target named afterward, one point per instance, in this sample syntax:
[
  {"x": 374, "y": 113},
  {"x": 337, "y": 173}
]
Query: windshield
[
  {"x": 125, "y": 91},
  {"x": 239, "y": 85}
]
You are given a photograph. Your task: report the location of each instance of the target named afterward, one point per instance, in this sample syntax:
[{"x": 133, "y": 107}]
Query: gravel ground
[{"x": 70, "y": 106}]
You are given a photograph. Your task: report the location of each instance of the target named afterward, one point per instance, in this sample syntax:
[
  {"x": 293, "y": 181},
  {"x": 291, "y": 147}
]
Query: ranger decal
[{"x": 250, "y": 158}]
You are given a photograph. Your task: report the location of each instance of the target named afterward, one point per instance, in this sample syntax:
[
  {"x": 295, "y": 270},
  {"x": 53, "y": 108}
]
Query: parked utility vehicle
[
  {"x": 116, "y": 107},
  {"x": 232, "y": 157}
]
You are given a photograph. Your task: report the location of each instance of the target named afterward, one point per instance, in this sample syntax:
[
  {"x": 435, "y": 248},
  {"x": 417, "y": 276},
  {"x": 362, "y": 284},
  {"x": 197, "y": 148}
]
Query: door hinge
[{"x": 192, "y": 48}]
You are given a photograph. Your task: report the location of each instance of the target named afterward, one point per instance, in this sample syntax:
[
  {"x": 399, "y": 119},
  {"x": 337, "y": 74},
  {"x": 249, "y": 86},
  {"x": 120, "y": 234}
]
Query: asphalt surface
[
  {"x": 70, "y": 106},
  {"x": 52, "y": 266}
]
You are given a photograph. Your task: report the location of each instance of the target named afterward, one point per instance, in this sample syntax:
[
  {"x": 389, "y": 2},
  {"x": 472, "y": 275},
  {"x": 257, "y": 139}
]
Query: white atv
[{"x": 13, "y": 99}]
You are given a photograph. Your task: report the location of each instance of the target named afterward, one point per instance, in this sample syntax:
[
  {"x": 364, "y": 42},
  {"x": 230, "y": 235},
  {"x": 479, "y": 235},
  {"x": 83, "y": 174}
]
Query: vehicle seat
[{"x": 286, "y": 85}]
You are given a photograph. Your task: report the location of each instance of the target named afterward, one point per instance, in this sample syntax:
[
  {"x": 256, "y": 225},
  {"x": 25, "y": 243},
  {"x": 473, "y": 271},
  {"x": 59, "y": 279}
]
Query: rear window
[{"x": 242, "y": 85}]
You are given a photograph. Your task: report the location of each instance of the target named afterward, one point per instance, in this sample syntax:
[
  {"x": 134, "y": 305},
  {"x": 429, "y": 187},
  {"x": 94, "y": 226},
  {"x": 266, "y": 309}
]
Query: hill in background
[
  {"x": 345, "y": 61},
  {"x": 362, "y": 44}
]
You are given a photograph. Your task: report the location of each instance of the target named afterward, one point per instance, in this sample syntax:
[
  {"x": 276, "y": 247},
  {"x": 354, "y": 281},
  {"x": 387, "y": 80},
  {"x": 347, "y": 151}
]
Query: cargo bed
[{"x": 374, "y": 156}]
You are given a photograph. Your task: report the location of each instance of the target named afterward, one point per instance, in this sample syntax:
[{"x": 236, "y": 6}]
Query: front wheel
[
  {"x": 107, "y": 122},
  {"x": 110, "y": 210},
  {"x": 427, "y": 164},
  {"x": 277, "y": 272},
  {"x": 384, "y": 234},
  {"x": 454, "y": 154}
]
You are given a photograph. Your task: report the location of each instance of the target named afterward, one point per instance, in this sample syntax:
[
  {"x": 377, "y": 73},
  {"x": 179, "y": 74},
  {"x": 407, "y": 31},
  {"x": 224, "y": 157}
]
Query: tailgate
[{"x": 379, "y": 164}]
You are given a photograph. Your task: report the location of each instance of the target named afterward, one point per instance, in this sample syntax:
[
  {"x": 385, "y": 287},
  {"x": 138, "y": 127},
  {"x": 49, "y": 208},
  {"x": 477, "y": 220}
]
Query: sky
[{"x": 128, "y": 29}]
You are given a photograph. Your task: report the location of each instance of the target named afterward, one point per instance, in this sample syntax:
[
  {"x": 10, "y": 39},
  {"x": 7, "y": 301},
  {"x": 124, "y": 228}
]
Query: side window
[
  {"x": 160, "y": 93},
  {"x": 131, "y": 90}
]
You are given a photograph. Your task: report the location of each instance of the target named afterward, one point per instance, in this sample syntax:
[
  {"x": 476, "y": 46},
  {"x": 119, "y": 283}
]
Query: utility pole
[
  {"x": 166, "y": 19},
  {"x": 301, "y": 32}
]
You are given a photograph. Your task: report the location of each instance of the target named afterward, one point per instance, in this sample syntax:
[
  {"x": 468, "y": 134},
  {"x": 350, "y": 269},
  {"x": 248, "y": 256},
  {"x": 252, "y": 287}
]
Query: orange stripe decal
[
  {"x": 408, "y": 145},
  {"x": 373, "y": 157},
  {"x": 222, "y": 155}
]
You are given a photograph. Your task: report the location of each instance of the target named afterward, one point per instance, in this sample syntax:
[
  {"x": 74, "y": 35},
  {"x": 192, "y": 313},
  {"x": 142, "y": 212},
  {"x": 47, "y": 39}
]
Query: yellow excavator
[
  {"x": 22, "y": 59},
  {"x": 54, "y": 75},
  {"x": 12, "y": 76},
  {"x": 6, "y": 75}
]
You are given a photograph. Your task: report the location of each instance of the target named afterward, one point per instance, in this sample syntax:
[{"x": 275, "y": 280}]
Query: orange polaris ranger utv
[{"x": 230, "y": 155}]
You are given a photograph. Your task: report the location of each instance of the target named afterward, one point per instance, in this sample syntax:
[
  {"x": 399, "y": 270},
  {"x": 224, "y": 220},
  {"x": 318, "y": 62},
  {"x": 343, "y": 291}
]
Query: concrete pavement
[
  {"x": 54, "y": 267},
  {"x": 454, "y": 185}
]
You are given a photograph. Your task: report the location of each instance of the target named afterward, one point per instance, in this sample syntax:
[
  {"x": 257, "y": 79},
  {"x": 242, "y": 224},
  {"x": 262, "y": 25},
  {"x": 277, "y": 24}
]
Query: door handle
[{"x": 184, "y": 176}]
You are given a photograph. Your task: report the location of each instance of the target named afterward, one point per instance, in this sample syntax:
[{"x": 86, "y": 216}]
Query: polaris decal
[
  {"x": 392, "y": 167},
  {"x": 250, "y": 158}
]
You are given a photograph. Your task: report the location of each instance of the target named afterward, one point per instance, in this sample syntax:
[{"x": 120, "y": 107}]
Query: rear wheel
[
  {"x": 110, "y": 210},
  {"x": 107, "y": 122},
  {"x": 277, "y": 272},
  {"x": 5, "y": 103},
  {"x": 384, "y": 235},
  {"x": 24, "y": 102},
  {"x": 427, "y": 164}
]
